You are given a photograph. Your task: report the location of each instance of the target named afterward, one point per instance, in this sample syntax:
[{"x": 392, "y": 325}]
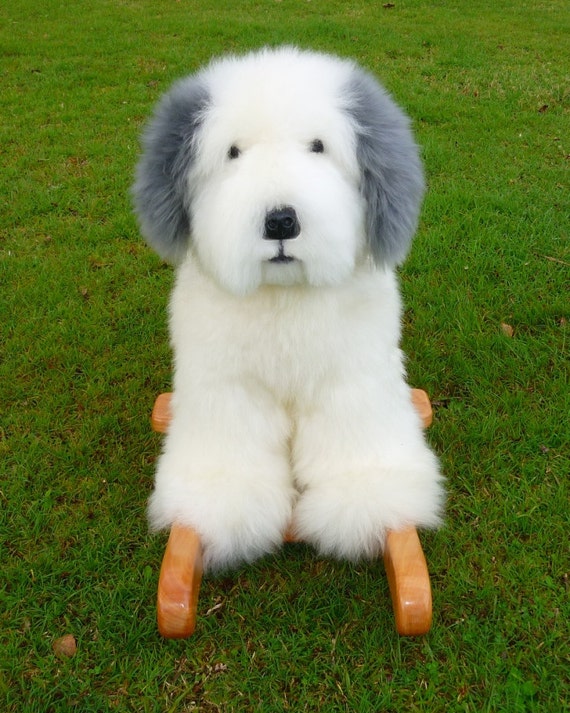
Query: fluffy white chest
[{"x": 289, "y": 340}]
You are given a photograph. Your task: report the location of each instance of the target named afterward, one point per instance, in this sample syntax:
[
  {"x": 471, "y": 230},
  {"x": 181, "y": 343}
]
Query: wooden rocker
[{"x": 181, "y": 570}]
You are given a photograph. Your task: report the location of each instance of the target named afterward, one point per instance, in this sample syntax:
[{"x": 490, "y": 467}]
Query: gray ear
[
  {"x": 392, "y": 180},
  {"x": 160, "y": 192}
]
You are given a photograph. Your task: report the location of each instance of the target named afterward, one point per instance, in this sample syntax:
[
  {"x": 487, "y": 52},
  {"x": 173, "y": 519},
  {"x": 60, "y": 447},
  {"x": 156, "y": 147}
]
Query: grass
[{"x": 85, "y": 350}]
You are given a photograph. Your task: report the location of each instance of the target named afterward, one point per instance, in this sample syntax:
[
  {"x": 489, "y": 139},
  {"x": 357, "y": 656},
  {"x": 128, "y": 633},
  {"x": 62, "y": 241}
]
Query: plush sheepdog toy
[{"x": 286, "y": 186}]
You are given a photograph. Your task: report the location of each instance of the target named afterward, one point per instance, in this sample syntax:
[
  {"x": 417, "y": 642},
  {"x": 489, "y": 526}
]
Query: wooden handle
[
  {"x": 161, "y": 413},
  {"x": 423, "y": 406},
  {"x": 408, "y": 577},
  {"x": 179, "y": 583}
]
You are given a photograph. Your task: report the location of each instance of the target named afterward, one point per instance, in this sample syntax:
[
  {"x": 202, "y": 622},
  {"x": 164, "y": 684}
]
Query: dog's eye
[
  {"x": 317, "y": 146},
  {"x": 233, "y": 152}
]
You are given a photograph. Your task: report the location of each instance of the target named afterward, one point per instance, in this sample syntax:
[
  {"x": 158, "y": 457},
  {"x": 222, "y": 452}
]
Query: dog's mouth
[{"x": 281, "y": 258}]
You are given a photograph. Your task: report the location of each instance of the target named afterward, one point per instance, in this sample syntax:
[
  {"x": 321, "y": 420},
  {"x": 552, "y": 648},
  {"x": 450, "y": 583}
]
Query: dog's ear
[
  {"x": 160, "y": 193},
  {"x": 392, "y": 182}
]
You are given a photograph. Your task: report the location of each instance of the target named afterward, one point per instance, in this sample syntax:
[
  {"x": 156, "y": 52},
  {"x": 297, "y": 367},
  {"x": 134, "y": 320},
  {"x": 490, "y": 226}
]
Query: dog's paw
[
  {"x": 238, "y": 519},
  {"x": 349, "y": 517},
  {"x": 235, "y": 535}
]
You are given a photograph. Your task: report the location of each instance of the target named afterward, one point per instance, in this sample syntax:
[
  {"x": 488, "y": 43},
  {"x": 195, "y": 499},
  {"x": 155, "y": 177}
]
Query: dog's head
[{"x": 279, "y": 167}]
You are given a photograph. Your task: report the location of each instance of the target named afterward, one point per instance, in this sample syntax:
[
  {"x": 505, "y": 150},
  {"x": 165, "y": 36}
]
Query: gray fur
[
  {"x": 391, "y": 170},
  {"x": 159, "y": 191}
]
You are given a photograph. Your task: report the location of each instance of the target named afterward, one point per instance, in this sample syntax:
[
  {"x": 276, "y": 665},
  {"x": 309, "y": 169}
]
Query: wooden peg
[
  {"x": 423, "y": 406},
  {"x": 161, "y": 413}
]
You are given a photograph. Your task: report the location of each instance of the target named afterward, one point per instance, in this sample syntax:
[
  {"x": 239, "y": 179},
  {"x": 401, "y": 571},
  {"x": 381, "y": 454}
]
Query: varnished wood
[
  {"x": 423, "y": 406},
  {"x": 179, "y": 583},
  {"x": 290, "y": 536},
  {"x": 181, "y": 571},
  {"x": 161, "y": 413},
  {"x": 408, "y": 577}
]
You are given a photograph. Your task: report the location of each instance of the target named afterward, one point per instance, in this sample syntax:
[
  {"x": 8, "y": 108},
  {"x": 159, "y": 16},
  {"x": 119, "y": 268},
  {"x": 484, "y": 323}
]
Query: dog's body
[{"x": 287, "y": 186}]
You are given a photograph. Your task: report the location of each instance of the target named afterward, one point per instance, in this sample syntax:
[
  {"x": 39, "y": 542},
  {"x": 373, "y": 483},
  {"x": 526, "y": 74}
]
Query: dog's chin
[
  {"x": 244, "y": 278},
  {"x": 283, "y": 270}
]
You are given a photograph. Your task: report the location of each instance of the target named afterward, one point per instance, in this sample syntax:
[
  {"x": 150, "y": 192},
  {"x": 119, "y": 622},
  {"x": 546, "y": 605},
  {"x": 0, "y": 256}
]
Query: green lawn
[{"x": 84, "y": 351}]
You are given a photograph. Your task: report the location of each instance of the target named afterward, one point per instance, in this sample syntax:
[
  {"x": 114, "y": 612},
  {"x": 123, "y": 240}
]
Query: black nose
[{"x": 281, "y": 224}]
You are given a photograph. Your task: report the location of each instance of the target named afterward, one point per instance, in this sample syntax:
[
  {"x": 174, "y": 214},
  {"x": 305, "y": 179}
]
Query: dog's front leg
[
  {"x": 225, "y": 472},
  {"x": 363, "y": 468}
]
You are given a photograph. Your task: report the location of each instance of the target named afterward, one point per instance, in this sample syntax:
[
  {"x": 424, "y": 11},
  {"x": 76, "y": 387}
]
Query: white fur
[
  {"x": 231, "y": 198},
  {"x": 290, "y": 406}
]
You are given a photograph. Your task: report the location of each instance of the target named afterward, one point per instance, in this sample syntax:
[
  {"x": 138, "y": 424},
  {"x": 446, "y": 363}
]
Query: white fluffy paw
[
  {"x": 349, "y": 517},
  {"x": 237, "y": 520}
]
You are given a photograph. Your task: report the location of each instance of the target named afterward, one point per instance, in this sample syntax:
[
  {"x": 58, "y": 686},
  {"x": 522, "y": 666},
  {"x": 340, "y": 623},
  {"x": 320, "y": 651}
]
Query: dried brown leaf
[{"x": 65, "y": 647}]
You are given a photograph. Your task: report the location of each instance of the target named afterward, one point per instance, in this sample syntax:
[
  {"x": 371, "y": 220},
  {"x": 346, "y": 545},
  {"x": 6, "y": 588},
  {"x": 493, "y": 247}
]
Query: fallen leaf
[
  {"x": 507, "y": 330},
  {"x": 65, "y": 647}
]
